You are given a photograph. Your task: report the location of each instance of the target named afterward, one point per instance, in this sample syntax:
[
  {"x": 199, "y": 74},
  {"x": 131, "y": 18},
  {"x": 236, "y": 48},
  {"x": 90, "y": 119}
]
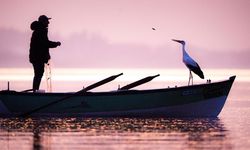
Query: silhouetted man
[{"x": 39, "y": 48}]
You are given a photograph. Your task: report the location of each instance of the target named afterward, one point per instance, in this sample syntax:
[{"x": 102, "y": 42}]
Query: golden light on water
[
  {"x": 74, "y": 79},
  {"x": 85, "y": 74}
]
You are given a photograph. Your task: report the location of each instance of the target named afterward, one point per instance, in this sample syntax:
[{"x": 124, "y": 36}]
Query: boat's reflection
[{"x": 113, "y": 133}]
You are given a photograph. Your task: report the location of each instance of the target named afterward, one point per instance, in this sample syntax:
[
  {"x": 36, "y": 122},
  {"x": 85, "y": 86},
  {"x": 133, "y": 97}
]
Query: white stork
[{"x": 190, "y": 63}]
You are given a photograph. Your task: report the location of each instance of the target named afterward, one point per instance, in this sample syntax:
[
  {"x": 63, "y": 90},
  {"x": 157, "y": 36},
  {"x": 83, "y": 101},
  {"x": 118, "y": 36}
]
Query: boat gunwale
[{"x": 119, "y": 92}]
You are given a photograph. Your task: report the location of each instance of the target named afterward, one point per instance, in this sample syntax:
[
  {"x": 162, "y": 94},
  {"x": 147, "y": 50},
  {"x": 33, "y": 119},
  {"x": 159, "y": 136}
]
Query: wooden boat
[{"x": 202, "y": 100}]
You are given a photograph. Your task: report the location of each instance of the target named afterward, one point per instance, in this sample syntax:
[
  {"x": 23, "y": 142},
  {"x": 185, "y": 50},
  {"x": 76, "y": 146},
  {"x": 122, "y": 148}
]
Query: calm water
[
  {"x": 117, "y": 133},
  {"x": 229, "y": 131}
]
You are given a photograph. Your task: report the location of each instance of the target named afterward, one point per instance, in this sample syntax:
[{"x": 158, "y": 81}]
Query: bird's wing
[{"x": 189, "y": 61}]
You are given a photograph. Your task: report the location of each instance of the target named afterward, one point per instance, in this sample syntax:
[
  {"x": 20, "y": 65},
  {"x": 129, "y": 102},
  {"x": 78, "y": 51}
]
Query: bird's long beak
[{"x": 179, "y": 41}]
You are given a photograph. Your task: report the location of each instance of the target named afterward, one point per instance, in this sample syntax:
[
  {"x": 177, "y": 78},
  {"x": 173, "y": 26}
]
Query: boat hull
[{"x": 204, "y": 100}]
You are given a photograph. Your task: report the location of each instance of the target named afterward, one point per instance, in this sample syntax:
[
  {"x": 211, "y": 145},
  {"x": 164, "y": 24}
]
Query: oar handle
[{"x": 92, "y": 86}]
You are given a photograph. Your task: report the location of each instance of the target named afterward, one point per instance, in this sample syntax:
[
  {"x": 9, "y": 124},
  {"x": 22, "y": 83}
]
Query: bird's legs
[{"x": 190, "y": 77}]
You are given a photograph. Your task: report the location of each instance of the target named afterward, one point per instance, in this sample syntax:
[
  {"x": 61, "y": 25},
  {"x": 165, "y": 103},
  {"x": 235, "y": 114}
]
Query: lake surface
[{"x": 229, "y": 131}]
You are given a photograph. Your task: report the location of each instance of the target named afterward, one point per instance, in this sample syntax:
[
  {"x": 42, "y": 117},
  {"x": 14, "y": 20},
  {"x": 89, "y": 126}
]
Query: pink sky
[{"x": 117, "y": 33}]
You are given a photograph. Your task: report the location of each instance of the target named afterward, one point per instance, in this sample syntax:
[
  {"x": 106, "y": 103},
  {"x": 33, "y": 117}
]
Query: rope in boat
[{"x": 48, "y": 77}]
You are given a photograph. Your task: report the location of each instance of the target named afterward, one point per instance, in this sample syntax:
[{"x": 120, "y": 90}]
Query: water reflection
[{"x": 113, "y": 133}]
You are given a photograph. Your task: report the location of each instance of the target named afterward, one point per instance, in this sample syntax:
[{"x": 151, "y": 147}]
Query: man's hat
[{"x": 43, "y": 18}]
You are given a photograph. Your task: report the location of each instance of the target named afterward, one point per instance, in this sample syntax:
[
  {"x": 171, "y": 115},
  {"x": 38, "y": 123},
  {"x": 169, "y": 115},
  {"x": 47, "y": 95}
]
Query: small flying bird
[
  {"x": 190, "y": 63},
  {"x": 153, "y": 29}
]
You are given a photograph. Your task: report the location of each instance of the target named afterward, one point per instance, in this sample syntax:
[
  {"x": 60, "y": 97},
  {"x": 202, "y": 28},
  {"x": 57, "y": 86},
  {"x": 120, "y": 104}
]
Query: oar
[
  {"x": 92, "y": 86},
  {"x": 139, "y": 82},
  {"x": 28, "y": 90}
]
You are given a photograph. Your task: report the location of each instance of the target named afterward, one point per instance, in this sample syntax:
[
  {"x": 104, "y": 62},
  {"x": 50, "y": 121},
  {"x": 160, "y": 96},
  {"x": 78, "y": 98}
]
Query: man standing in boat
[{"x": 39, "y": 48}]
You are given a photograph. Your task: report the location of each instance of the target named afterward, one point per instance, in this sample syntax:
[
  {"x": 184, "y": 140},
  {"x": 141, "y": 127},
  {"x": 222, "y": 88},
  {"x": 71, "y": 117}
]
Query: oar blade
[
  {"x": 97, "y": 84},
  {"x": 139, "y": 82}
]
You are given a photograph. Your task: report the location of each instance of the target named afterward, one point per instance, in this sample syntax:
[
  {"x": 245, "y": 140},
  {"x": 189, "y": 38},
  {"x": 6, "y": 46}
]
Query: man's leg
[{"x": 38, "y": 74}]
